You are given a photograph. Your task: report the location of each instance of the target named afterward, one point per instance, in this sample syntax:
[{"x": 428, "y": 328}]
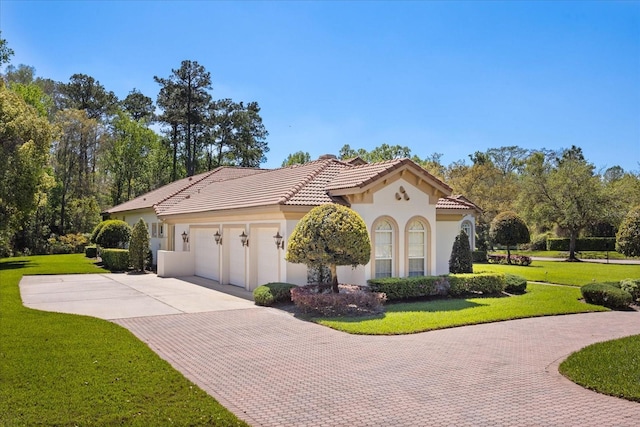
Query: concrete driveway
[
  {"x": 271, "y": 369},
  {"x": 117, "y": 296}
]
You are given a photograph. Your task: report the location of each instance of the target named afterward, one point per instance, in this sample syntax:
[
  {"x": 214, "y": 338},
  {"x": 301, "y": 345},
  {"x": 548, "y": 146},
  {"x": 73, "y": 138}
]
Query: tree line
[{"x": 71, "y": 149}]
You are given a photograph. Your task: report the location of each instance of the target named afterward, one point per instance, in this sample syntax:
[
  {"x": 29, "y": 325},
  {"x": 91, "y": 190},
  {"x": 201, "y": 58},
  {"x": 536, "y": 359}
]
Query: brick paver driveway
[{"x": 274, "y": 370}]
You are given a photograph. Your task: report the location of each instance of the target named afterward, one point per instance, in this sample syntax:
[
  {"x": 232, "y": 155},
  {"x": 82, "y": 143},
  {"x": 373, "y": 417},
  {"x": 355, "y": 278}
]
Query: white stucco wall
[
  {"x": 175, "y": 264},
  {"x": 447, "y": 232},
  {"x": 149, "y": 217},
  {"x": 402, "y": 212}
]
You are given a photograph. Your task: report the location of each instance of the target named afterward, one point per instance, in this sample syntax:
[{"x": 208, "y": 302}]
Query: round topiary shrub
[
  {"x": 606, "y": 295},
  {"x": 96, "y": 231},
  {"x": 91, "y": 252},
  {"x": 114, "y": 234},
  {"x": 272, "y": 293},
  {"x": 515, "y": 284}
]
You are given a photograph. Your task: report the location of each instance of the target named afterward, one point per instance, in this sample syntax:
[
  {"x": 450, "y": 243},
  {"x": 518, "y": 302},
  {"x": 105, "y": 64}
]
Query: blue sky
[{"x": 447, "y": 77}]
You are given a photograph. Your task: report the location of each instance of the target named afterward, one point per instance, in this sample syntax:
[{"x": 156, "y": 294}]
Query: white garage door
[
  {"x": 236, "y": 258},
  {"x": 206, "y": 253},
  {"x": 267, "y": 255}
]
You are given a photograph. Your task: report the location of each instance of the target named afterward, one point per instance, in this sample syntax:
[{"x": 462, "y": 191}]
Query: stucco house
[{"x": 225, "y": 224}]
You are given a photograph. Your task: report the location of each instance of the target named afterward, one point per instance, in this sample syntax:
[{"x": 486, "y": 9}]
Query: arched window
[
  {"x": 417, "y": 242},
  {"x": 468, "y": 229},
  {"x": 383, "y": 249}
]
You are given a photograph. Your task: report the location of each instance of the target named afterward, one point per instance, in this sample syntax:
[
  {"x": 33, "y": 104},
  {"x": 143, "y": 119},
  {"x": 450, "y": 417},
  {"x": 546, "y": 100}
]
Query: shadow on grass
[
  {"x": 432, "y": 305},
  {"x": 14, "y": 265}
]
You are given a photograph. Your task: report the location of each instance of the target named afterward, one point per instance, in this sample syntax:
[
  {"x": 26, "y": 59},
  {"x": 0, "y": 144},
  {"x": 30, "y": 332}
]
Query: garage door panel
[
  {"x": 206, "y": 254},
  {"x": 267, "y": 256}
]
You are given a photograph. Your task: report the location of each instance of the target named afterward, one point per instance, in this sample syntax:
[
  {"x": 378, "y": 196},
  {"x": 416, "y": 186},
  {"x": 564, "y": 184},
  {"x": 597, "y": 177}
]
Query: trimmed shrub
[
  {"x": 538, "y": 242},
  {"x": 483, "y": 283},
  {"x": 116, "y": 259},
  {"x": 96, "y": 231},
  {"x": 508, "y": 229},
  {"x": 272, "y": 293},
  {"x": 139, "y": 245},
  {"x": 396, "y": 288},
  {"x": 114, "y": 234},
  {"x": 515, "y": 259},
  {"x": 583, "y": 244},
  {"x": 67, "y": 244},
  {"x": 461, "y": 260},
  {"x": 479, "y": 256},
  {"x": 352, "y": 300},
  {"x": 606, "y": 295},
  {"x": 632, "y": 286},
  {"x": 515, "y": 284},
  {"x": 91, "y": 252}
]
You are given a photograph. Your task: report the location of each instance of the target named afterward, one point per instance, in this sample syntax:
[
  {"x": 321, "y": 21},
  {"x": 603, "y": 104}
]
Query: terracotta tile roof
[
  {"x": 174, "y": 192},
  {"x": 310, "y": 184},
  {"x": 362, "y": 175},
  {"x": 293, "y": 185},
  {"x": 457, "y": 202}
]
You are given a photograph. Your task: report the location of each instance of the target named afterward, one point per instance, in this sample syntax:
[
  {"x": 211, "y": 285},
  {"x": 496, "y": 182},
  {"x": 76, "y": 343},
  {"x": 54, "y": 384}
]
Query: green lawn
[
  {"x": 611, "y": 367},
  {"x": 406, "y": 318},
  {"x": 67, "y": 370},
  {"x": 566, "y": 273},
  {"x": 565, "y": 254}
]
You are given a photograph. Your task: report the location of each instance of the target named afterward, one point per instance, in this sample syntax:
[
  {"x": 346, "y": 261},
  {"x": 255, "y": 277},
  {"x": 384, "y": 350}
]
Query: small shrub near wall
[
  {"x": 606, "y": 295},
  {"x": 272, "y": 293},
  {"x": 352, "y": 300},
  {"x": 115, "y": 259}
]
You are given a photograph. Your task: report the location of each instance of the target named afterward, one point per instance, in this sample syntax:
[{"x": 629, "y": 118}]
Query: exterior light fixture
[
  {"x": 218, "y": 238},
  {"x": 244, "y": 239},
  {"x": 185, "y": 237},
  {"x": 279, "y": 241}
]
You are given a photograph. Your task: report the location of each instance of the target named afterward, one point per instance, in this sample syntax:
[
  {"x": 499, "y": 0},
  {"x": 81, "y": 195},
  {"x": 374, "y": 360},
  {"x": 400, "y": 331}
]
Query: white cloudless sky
[{"x": 451, "y": 77}]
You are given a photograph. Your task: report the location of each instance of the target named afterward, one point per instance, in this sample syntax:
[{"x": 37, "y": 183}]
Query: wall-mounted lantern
[
  {"x": 279, "y": 240},
  {"x": 244, "y": 239},
  {"x": 218, "y": 238},
  {"x": 185, "y": 237}
]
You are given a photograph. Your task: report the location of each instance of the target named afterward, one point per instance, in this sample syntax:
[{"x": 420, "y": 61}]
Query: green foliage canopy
[
  {"x": 507, "y": 228},
  {"x": 331, "y": 235},
  {"x": 628, "y": 237},
  {"x": 114, "y": 233}
]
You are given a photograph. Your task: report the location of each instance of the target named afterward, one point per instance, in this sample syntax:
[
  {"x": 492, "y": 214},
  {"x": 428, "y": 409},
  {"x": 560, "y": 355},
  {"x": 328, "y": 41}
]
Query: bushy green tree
[
  {"x": 628, "y": 237},
  {"x": 461, "y": 259},
  {"x": 114, "y": 234},
  {"x": 139, "y": 246},
  {"x": 330, "y": 235},
  {"x": 508, "y": 229}
]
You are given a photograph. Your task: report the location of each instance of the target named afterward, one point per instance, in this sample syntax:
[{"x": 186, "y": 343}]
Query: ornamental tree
[
  {"x": 628, "y": 237},
  {"x": 508, "y": 229},
  {"x": 330, "y": 235},
  {"x": 461, "y": 260},
  {"x": 114, "y": 233},
  {"x": 139, "y": 245}
]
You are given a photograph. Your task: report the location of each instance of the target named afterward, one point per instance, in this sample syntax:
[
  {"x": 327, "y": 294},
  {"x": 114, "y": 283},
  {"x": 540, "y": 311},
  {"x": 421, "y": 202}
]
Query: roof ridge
[{"x": 322, "y": 165}]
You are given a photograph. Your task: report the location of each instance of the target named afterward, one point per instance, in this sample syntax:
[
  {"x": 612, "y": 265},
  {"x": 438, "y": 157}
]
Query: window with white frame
[
  {"x": 468, "y": 229},
  {"x": 417, "y": 241},
  {"x": 384, "y": 249}
]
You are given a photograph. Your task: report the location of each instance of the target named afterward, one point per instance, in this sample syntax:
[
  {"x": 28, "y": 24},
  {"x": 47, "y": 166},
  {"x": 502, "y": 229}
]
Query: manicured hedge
[
  {"x": 351, "y": 301},
  {"x": 91, "y": 251},
  {"x": 583, "y": 244},
  {"x": 606, "y": 295},
  {"x": 484, "y": 283},
  {"x": 399, "y": 288},
  {"x": 115, "y": 259},
  {"x": 515, "y": 284},
  {"x": 271, "y": 293}
]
